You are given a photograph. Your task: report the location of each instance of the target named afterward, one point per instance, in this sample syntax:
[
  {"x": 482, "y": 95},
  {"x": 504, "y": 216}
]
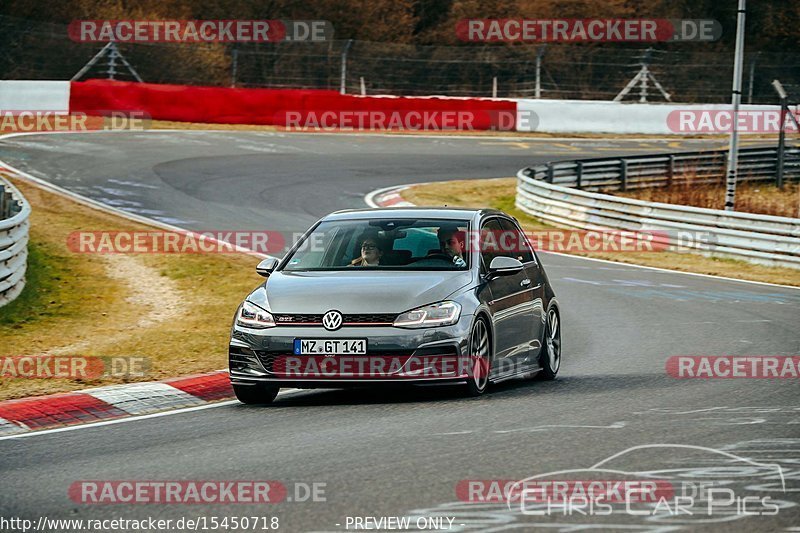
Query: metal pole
[
  {"x": 363, "y": 87},
  {"x": 112, "y": 61},
  {"x": 781, "y": 144},
  {"x": 539, "y": 54},
  {"x": 736, "y": 97},
  {"x": 782, "y": 135},
  {"x": 91, "y": 62},
  {"x": 644, "y": 74},
  {"x": 643, "y": 86},
  {"x": 342, "y": 89},
  {"x": 494, "y": 87},
  {"x": 752, "y": 76},
  {"x": 623, "y": 175},
  {"x": 234, "y": 66}
]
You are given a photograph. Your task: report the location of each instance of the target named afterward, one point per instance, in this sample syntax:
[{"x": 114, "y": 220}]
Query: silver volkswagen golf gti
[{"x": 398, "y": 295}]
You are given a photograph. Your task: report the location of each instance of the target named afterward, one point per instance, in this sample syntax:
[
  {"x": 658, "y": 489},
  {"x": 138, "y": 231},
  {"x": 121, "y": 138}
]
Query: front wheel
[
  {"x": 255, "y": 394},
  {"x": 550, "y": 359},
  {"x": 481, "y": 355}
]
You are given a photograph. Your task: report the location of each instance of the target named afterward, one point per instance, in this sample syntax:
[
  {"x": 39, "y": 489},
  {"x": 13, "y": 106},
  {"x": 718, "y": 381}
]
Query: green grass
[{"x": 44, "y": 295}]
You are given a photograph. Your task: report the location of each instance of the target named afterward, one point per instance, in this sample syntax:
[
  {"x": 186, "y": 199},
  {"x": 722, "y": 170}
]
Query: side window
[
  {"x": 490, "y": 248},
  {"x": 514, "y": 243}
]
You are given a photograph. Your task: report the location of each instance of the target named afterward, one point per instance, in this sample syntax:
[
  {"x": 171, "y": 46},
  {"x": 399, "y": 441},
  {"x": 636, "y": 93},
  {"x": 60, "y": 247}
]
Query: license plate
[{"x": 330, "y": 346}]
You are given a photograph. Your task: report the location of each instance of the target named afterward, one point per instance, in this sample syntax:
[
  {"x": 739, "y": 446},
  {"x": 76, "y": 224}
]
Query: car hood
[{"x": 356, "y": 292}]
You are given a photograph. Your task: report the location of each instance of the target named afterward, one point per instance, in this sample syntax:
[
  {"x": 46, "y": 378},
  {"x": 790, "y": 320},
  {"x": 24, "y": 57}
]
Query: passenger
[
  {"x": 451, "y": 241},
  {"x": 371, "y": 253}
]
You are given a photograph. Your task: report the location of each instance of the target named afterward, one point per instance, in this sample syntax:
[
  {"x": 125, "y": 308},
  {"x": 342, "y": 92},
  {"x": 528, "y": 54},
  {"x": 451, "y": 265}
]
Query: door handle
[{"x": 525, "y": 282}]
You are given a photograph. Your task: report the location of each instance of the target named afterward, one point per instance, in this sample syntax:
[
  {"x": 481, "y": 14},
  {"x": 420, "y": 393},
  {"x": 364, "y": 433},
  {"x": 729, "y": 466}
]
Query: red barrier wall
[{"x": 220, "y": 105}]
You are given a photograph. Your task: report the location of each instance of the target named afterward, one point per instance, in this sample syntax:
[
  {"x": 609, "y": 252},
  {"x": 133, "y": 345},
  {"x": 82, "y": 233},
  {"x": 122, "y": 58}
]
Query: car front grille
[
  {"x": 381, "y": 319},
  {"x": 268, "y": 358}
]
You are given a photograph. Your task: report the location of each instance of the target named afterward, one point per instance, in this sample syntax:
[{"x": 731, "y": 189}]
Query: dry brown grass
[
  {"x": 500, "y": 194},
  {"x": 760, "y": 198},
  {"x": 175, "y": 310}
]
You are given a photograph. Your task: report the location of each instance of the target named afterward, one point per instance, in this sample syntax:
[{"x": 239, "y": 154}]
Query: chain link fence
[{"x": 688, "y": 72}]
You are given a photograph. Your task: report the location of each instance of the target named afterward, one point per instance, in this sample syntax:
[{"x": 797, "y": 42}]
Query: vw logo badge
[{"x": 332, "y": 320}]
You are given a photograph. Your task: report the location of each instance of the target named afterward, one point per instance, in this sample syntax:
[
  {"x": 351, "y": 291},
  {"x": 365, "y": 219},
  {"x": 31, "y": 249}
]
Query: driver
[{"x": 451, "y": 241}]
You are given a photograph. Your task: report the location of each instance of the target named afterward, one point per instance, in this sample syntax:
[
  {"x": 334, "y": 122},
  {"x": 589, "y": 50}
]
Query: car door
[
  {"x": 511, "y": 305},
  {"x": 523, "y": 251}
]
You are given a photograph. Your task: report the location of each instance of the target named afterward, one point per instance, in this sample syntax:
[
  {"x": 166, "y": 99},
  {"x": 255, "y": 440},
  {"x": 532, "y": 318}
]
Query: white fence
[
  {"x": 14, "y": 225},
  {"x": 596, "y": 116},
  {"x": 35, "y": 95},
  {"x": 769, "y": 240}
]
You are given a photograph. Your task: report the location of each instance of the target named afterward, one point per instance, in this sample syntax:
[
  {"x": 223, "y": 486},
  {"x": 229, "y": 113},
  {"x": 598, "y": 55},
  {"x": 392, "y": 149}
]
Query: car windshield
[{"x": 382, "y": 244}]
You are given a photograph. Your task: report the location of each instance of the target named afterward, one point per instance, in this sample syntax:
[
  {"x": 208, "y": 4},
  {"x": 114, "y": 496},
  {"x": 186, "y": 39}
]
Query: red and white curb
[
  {"x": 393, "y": 200},
  {"x": 388, "y": 197},
  {"x": 112, "y": 402}
]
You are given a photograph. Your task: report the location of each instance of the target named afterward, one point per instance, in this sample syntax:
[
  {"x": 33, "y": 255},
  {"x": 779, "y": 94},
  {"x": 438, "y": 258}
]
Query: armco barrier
[
  {"x": 634, "y": 172},
  {"x": 14, "y": 223},
  {"x": 769, "y": 240},
  {"x": 223, "y": 105}
]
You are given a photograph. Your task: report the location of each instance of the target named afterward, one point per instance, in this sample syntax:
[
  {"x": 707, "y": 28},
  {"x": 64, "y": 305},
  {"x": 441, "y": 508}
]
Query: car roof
[{"x": 447, "y": 213}]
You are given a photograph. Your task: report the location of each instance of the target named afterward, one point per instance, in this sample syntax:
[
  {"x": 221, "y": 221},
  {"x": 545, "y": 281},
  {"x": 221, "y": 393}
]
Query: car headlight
[
  {"x": 253, "y": 317},
  {"x": 439, "y": 314}
]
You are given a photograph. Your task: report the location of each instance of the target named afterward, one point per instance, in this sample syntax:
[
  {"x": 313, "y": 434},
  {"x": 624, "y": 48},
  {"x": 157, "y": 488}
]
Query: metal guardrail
[
  {"x": 636, "y": 172},
  {"x": 14, "y": 225},
  {"x": 550, "y": 192}
]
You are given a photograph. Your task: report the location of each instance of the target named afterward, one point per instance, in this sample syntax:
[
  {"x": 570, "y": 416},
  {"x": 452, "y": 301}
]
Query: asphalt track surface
[{"x": 402, "y": 453}]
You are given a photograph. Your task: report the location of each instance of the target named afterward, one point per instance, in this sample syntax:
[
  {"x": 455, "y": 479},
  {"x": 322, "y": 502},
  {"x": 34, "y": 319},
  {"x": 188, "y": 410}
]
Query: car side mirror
[
  {"x": 267, "y": 266},
  {"x": 504, "y": 266}
]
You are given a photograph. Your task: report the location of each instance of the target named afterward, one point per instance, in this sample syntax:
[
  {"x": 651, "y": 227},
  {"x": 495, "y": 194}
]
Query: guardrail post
[
  {"x": 623, "y": 175},
  {"x": 579, "y": 174},
  {"x": 781, "y": 145},
  {"x": 550, "y": 173},
  {"x": 671, "y": 170}
]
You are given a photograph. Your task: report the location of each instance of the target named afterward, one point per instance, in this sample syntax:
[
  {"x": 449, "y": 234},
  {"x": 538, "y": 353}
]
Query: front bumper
[{"x": 394, "y": 355}]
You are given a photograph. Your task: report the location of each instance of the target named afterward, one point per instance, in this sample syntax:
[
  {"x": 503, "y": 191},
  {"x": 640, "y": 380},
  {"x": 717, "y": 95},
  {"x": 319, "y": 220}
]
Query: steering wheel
[{"x": 438, "y": 255}]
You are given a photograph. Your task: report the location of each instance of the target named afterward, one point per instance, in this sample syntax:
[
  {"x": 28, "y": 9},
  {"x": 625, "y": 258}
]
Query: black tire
[
  {"x": 550, "y": 358},
  {"x": 259, "y": 394},
  {"x": 480, "y": 351}
]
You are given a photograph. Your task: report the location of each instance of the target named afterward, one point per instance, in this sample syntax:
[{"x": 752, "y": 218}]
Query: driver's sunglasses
[
  {"x": 368, "y": 246},
  {"x": 451, "y": 240}
]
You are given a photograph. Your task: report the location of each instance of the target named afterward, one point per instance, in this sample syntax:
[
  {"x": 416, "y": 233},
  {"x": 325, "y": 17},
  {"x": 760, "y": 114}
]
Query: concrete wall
[
  {"x": 23, "y": 95},
  {"x": 595, "y": 116}
]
